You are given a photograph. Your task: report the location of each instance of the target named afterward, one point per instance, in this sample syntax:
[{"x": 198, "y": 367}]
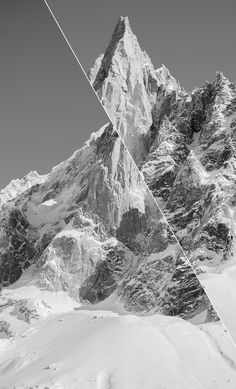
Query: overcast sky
[
  {"x": 47, "y": 108},
  {"x": 193, "y": 38}
]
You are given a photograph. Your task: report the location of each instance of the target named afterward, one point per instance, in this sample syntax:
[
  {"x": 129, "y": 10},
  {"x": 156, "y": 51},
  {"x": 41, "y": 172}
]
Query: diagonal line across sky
[{"x": 211, "y": 297}]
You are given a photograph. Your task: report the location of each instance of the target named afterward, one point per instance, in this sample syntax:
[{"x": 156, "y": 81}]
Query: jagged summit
[
  {"x": 125, "y": 78},
  {"x": 220, "y": 77},
  {"x": 124, "y": 22},
  {"x": 185, "y": 145},
  {"x": 89, "y": 242},
  {"x": 91, "y": 229},
  {"x": 17, "y": 186},
  {"x": 124, "y": 41}
]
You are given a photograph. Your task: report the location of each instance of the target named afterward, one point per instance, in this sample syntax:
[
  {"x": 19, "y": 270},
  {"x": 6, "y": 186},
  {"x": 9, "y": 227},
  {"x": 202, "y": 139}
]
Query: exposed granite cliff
[
  {"x": 184, "y": 145},
  {"x": 92, "y": 229}
]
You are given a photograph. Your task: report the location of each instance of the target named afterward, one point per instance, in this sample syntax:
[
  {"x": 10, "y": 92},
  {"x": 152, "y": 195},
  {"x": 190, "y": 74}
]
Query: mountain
[
  {"x": 15, "y": 187},
  {"x": 95, "y": 289},
  {"x": 91, "y": 228},
  {"x": 184, "y": 146}
]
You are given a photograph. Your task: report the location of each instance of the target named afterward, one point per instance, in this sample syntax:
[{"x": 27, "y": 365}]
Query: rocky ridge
[
  {"x": 85, "y": 250},
  {"x": 16, "y": 187},
  {"x": 91, "y": 229},
  {"x": 183, "y": 143}
]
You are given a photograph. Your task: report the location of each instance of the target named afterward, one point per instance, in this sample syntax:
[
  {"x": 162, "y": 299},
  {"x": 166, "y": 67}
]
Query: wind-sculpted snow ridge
[{"x": 184, "y": 146}]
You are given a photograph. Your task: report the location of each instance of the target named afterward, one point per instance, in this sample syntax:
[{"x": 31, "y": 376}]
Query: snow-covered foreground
[
  {"x": 56, "y": 343},
  {"x": 85, "y": 349}
]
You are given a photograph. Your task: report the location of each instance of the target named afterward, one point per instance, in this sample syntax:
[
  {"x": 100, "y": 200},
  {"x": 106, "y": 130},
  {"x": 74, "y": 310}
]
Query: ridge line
[{"x": 142, "y": 178}]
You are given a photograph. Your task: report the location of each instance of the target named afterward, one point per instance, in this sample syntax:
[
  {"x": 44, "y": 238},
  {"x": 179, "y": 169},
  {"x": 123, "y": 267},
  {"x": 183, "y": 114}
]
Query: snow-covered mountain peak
[
  {"x": 220, "y": 78},
  {"x": 185, "y": 146},
  {"x": 17, "y": 186},
  {"x": 92, "y": 229},
  {"x": 127, "y": 83},
  {"x": 123, "y": 25},
  {"x": 225, "y": 93},
  {"x": 124, "y": 36},
  {"x": 166, "y": 79},
  {"x": 123, "y": 46},
  {"x": 87, "y": 258}
]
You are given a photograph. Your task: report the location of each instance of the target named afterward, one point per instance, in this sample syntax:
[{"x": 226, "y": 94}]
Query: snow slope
[
  {"x": 102, "y": 349},
  {"x": 56, "y": 342}
]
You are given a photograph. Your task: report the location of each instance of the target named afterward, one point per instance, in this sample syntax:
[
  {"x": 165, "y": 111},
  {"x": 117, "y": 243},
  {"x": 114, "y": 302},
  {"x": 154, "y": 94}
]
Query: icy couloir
[{"x": 184, "y": 145}]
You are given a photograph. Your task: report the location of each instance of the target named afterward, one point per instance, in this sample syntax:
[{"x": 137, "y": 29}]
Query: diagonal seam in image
[{"x": 109, "y": 116}]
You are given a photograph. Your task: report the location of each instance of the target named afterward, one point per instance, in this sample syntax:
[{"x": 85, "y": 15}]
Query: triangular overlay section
[
  {"x": 96, "y": 289},
  {"x": 184, "y": 145}
]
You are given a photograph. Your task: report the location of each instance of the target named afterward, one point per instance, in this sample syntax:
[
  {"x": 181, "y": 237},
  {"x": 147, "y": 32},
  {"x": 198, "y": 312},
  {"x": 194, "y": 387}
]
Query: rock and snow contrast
[
  {"x": 18, "y": 186},
  {"x": 184, "y": 145},
  {"x": 92, "y": 228},
  {"x": 96, "y": 292}
]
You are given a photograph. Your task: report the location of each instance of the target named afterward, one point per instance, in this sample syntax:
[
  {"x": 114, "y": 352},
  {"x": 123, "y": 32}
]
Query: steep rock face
[
  {"x": 17, "y": 245},
  {"x": 200, "y": 197},
  {"x": 92, "y": 230},
  {"x": 127, "y": 84},
  {"x": 188, "y": 155}
]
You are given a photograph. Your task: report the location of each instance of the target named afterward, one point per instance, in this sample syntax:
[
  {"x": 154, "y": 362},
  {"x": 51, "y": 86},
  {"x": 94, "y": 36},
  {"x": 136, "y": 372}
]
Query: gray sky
[
  {"x": 47, "y": 108},
  {"x": 193, "y": 38}
]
